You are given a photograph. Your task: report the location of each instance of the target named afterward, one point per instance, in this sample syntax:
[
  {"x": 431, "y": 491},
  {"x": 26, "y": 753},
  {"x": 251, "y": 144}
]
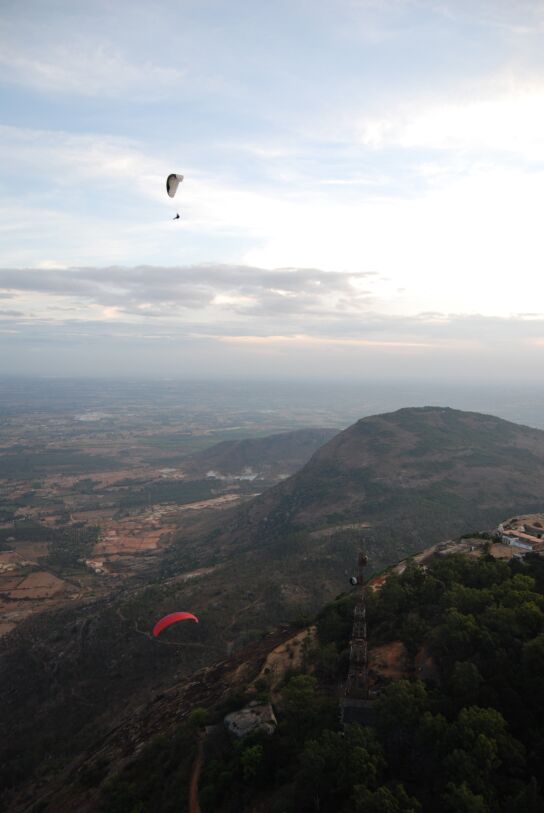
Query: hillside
[
  {"x": 405, "y": 477},
  {"x": 457, "y": 708},
  {"x": 405, "y": 480},
  {"x": 463, "y": 734},
  {"x": 268, "y": 458}
]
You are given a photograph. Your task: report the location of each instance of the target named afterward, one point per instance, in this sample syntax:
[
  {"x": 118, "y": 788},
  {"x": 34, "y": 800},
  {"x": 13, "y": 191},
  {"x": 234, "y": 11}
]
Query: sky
[{"x": 363, "y": 188}]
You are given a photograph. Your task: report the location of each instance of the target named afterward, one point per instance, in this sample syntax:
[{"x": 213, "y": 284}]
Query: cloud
[
  {"x": 378, "y": 345},
  {"x": 303, "y": 340},
  {"x": 215, "y": 320},
  {"x": 86, "y": 69},
  {"x": 250, "y": 309},
  {"x": 93, "y": 199},
  {"x": 151, "y": 291},
  {"x": 67, "y": 159},
  {"x": 48, "y": 265},
  {"x": 524, "y": 17},
  {"x": 502, "y": 114}
]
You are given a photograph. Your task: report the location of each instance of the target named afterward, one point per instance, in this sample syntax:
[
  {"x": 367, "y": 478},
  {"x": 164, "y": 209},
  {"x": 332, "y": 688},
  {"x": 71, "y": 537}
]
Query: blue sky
[{"x": 389, "y": 153}]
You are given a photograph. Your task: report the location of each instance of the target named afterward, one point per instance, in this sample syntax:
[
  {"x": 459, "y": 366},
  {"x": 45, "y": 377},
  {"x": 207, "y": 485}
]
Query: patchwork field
[{"x": 92, "y": 498}]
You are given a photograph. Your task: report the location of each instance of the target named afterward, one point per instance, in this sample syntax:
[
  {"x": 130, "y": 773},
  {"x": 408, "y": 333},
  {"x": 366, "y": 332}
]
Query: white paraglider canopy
[{"x": 172, "y": 183}]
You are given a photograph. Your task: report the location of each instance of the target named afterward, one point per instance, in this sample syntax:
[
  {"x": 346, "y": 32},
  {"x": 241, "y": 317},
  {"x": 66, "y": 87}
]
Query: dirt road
[{"x": 194, "y": 804}]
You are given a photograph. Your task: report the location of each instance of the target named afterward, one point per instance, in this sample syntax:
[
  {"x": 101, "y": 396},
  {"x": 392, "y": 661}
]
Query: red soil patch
[
  {"x": 500, "y": 551},
  {"x": 10, "y": 557},
  {"x": 38, "y": 585},
  {"x": 92, "y": 517},
  {"x": 5, "y": 627},
  {"x": 51, "y": 520},
  {"x": 377, "y": 582},
  {"x": 9, "y": 582},
  {"x": 128, "y": 541},
  {"x": 388, "y": 661},
  {"x": 214, "y": 502}
]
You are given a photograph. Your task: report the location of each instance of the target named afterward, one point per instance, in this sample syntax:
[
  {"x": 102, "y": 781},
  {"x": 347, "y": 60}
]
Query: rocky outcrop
[{"x": 253, "y": 717}]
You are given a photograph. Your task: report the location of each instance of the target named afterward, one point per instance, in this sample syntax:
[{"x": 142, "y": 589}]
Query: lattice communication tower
[{"x": 357, "y": 682}]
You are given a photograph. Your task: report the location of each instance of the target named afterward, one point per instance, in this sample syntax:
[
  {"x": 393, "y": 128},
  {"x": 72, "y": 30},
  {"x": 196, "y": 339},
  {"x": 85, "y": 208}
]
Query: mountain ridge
[
  {"x": 270, "y": 457},
  {"x": 384, "y": 458}
]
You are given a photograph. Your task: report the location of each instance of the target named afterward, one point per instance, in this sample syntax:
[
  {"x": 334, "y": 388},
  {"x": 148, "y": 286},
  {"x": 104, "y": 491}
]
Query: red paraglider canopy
[{"x": 172, "y": 618}]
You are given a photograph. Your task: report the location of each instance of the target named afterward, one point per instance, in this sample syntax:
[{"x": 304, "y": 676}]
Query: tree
[
  {"x": 299, "y": 698},
  {"x": 530, "y": 619},
  {"x": 413, "y": 631},
  {"x": 528, "y": 800},
  {"x": 332, "y": 764},
  {"x": 430, "y": 745},
  {"x": 251, "y": 760},
  {"x": 198, "y": 717},
  {"x": 401, "y": 705},
  {"x": 479, "y": 744},
  {"x": 399, "y": 710},
  {"x": 465, "y": 682},
  {"x": 458, "y": 637},
  {"x": 460, "y": 799},
  {"x": 384, "y": 800},
  {"x": 306, "y": 711},
  {"x": 533, "y": 656},
  {"x": 326, "y": 660}
]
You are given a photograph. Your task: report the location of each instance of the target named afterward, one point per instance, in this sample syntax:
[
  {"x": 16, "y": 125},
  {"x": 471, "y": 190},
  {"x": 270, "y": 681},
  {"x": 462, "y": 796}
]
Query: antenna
[{"x": 357, "y": 682}]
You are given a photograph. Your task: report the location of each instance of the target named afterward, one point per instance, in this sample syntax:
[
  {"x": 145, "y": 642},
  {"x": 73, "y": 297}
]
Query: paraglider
[
  {"x": 172, "y": 618},
  {"x": 172, "y": 183}
]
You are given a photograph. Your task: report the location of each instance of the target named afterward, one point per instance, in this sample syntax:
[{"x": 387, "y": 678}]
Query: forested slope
[{"x": 469, "y": 741}]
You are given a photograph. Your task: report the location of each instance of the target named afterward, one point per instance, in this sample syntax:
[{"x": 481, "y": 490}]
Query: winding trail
[{"x": 194, "y": 804}]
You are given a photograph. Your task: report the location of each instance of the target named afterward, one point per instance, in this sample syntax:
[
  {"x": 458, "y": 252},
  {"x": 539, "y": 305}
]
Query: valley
[{"x": 90, "y": 498}]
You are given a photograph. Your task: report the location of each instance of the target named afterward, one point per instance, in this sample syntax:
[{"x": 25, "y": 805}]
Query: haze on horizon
[{"x": 362, "y": 197}]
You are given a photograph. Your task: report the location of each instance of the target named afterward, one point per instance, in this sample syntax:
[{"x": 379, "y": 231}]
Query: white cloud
[
  {"x": 457, "y": 244},
  {"x": 303, "y": 340},
  {"x": 502, "y": 114},
  {"x": 187, "y": 291},
  {"x": 428, "y": 345},
  {"x": 49, "y": 265},
  {"x": 471, "y": 243},
  {"x": 247, "y": 305},
  {"x": 454, "y": 234},
  {"x": 65, "y": 159},
  {"x": 86, "y": 69}
]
